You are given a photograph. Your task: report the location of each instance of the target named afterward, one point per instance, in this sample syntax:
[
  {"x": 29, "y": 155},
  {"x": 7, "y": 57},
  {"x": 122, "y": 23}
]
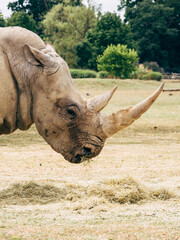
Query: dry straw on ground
[
  {"x": 92, "y": 206},
  {"x": 120, "y": 191}
]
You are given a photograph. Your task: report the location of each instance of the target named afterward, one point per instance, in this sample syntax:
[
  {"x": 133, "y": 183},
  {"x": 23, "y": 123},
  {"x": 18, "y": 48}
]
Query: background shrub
[
  {"x": 152, "y": 66},
  {"x": 138, "y": 74},
  {"x": 118, "y": 60},
  {"x": 153, "y": 76},
  {"x": 103, "y": 74},
  {"x": 79, "y": 73}
]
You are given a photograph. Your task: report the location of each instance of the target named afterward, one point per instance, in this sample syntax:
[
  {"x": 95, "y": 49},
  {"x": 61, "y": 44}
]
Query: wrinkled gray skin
[{"x": 35, "y": 92}]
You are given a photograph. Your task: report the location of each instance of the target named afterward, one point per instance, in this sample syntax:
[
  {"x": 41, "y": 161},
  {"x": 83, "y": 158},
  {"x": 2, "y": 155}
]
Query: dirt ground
[{"x": 131, "y": 191}]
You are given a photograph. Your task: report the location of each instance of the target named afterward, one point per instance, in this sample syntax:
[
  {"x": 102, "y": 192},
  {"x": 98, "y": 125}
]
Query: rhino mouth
[
  {"x": 79, "y": 159},
  {"x": 84, "y": 150},
  {"x": 84, "y": 156}
]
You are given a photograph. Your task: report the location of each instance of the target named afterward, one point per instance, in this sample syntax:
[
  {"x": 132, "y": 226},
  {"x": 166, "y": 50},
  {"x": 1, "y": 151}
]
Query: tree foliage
[
  {"x": 38, "y": 8},
  {"x": 66, "y": 26},
  {"x": 79, "y": 35},
  {"x": 109, "y": 29},
  {"x": 2, "y": 21},
  {"x": 22, "y": 19},
  {"x": 83, "y": 53},
  {"x": 156, "y": 29},
  {"x": 118, "y": 60}
]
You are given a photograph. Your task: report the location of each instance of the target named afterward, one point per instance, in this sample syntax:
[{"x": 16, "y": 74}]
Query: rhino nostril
[{"x": 87, "y": 151}]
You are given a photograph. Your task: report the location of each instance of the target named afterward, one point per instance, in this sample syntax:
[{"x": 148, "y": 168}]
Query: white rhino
[{"x": 36, "y": 87}]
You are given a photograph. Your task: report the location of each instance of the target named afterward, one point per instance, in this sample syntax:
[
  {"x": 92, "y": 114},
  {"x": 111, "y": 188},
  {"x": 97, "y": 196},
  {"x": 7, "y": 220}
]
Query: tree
[
  {"x": 83, "y": 53},
  {"x": 22, "y": 19},
  {"x": 128, "y": 5},
  {"x": 156, "y": 29},
  {"x": 118, "y": 60},
  {"x": 174, "y": 42},
  {"x": 2, "y": 21},
  {"x": 38, "y": 8},
  {"x": 109, "y": 29},
  {"x": 66, "y": 26}
]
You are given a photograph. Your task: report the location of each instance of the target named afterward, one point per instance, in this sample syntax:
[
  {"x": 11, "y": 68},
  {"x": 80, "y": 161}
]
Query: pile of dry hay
[{"x": 114, "y": 191}]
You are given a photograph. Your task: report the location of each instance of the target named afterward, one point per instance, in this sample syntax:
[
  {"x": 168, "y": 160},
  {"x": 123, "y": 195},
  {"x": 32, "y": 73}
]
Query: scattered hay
[
  {"x": 30, "y": 193},
  {"x": 161, "y": 194},
  {"x": 128, "y": 190},
  {"x": 114, "y": 191},
  {"x": 125, "y": 191}
]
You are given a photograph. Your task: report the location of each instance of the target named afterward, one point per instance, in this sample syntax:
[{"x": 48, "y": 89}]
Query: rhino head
[{"x": 71, "y": 124}]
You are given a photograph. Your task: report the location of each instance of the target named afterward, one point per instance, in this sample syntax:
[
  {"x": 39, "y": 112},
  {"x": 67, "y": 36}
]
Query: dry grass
[
  {"x": 31, "y": 193},
  {"x": 115, "y": 191},
  {"x": 129, "y": 192}
]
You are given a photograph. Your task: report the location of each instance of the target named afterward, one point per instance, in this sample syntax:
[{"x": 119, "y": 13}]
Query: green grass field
[{"x": 131, "y": 191}]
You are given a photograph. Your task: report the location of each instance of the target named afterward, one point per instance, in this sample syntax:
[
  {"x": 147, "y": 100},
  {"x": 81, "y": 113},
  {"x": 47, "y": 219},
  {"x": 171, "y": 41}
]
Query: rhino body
[{"x": 36, "y": 87}]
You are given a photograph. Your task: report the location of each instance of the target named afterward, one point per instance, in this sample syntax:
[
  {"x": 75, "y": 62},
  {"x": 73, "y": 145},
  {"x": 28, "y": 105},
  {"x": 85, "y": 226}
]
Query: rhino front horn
[{"x": 116, "y": 121}]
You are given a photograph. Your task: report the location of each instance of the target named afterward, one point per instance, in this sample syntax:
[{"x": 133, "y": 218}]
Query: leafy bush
[
  {"x": 153, "y": 76},
  {"x": 152, "y": 66},
  {"x": 118, "y": 60},
  {"x": 103, "y": 74},
  {"x": 138, "y": 74},
  {"x": 79, "y": 73}
]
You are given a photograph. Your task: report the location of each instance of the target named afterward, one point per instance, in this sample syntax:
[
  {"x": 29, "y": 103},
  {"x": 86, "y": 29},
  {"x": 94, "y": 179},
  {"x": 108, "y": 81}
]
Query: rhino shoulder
[{"x": 15, "y": 37}]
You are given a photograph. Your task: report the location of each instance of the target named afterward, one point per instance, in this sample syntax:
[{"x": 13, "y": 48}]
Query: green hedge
[
  {"x": 153, "y": 76},
  {"x": 80, "y": 73}
]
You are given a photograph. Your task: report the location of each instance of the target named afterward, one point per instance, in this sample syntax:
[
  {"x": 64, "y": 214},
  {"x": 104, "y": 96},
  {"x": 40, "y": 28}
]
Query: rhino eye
[{"x": 71, "y": 113}]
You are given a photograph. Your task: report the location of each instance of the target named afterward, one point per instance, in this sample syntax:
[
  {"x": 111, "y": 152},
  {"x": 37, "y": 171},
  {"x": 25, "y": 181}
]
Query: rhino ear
[{"x": 38, "y": 58}]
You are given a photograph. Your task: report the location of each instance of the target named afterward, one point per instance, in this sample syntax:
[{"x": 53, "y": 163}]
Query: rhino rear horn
[
  {"x": 38, "y": 58},
  {"x": 99, "y": 102},
  {"x": 116, "y": 121}
]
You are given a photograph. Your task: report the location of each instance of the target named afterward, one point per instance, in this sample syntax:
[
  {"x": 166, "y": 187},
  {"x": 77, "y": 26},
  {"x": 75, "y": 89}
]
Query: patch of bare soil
[{"x": 120, "y": 191}]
